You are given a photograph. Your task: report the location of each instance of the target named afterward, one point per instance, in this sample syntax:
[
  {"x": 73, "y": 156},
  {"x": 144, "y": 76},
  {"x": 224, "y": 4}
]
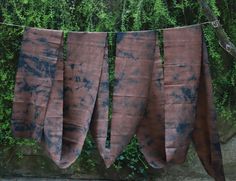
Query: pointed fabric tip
[
  {"x": 109, "y": 162},
  {"x": 54, "y": 101},
  {"x": 180, "y": 109},
  {"x": 181, "y": 82},
  {"x": 151, "y": 129},
  {"x": 36, "y": 72},
  {"x": 133, "y": 69}
]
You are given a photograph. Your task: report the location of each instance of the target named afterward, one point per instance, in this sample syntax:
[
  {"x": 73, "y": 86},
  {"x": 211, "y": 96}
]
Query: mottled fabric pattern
[
  {"x": 151, "y": 130},
  {"x": 166, "y": 101},
  {"x": 205, "y": 136},
  {"x": 182, "y": 64},
  {"x": 133, "y": 65},
  {"x": 54, "y": 102},
  {"x": 35, "y": 76},
  {"x": 180, "y": 106},
  {"x": 83, "y": 68}
]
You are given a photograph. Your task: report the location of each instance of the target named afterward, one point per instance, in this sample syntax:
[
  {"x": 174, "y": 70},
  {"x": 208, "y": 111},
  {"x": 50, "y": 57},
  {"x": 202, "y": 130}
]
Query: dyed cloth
[
  {"x": 54, "y": 102},
  {"x": 180, "y": 106},
  {"x": 133, "y": 65},
  {"x": 167, "y": 103}
]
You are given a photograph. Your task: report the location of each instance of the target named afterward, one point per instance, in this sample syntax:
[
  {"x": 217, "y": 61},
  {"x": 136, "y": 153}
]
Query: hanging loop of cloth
[
  {"x": 180, "y": 106},
  {"x": 133, "y": 65},
  {"x": 54, "y": 102}
]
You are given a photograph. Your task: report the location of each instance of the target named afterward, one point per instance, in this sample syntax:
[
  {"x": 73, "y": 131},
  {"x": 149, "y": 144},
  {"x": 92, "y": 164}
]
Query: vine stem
[
  {"x": 123, "y": 16},
  {"x": 223, "y": 38}
]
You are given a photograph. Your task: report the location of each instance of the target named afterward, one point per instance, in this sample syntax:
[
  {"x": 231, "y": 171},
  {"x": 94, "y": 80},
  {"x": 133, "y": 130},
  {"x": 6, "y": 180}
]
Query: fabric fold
[
  {"x": 151, "y": 130},
  {"x": 54, "y": 101},
  {"x": 182, "y": 64},
  {"x": 180, "y": 105},
  {"x": 83, "y": 69},
  {"x": 189, "y": 109},
  {"x": 133, "y": 65},
  {"x": 205, "y": 136},
  {"x": 34, "y": 80}
]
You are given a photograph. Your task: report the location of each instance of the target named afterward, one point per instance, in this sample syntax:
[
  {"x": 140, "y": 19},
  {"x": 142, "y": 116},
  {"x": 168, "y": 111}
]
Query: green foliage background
[{"x": 116, "y": 15}]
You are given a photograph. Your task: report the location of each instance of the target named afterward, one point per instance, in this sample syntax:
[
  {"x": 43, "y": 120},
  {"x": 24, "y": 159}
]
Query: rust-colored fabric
[
  {"x": 35, "y": 75},
  {"x": 167, "y": 104},
  {"x": 182, "y": 64},
  {"x": 133, "y": 65},
  {"x": 205, "y": 135},
  {"x": 55, "y": 106},
  {"x": 151, "y": 130},
  {"x": 85, "y": 57},
  {"x": 180, "y": 106}
]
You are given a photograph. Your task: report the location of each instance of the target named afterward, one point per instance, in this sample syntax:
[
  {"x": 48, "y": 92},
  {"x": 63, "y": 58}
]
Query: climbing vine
[{"x": 122, "y": 15}]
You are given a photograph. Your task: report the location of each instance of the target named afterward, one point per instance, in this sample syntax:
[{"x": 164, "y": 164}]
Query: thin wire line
[
  {"x": 9, "y": 24},
  {"x": 178, "y": 27}
]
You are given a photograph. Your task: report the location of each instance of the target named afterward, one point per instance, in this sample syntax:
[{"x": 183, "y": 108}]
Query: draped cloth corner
[{"x": 167, "y": 104}]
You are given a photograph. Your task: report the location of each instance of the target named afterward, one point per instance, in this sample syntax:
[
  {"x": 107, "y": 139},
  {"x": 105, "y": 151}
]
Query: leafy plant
[{"x": 122, "y": 15}]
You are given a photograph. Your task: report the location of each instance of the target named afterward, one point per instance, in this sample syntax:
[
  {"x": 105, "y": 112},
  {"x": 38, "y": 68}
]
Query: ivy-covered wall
[{"x": 116, "y": 15}]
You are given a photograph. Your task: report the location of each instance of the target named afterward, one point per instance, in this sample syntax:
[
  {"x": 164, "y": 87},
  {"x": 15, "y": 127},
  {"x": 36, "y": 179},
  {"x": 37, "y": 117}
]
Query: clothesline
[{"x": 213, "y": 23}]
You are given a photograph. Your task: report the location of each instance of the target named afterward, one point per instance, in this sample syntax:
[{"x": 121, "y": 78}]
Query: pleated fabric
[
  {"x": 133, "y": 65},
  {"x": 180, "y": 106},
  {"x": 54, "y": 102}
]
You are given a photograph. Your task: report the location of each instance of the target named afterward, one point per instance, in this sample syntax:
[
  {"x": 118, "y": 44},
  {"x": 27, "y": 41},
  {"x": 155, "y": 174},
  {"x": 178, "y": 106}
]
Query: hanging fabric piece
[
  {"x": 43, "y": 109},
  {"x": 205, "y": 135},
  {"x": 34, "y": 79},
  {"x": 83, "y": 68},
  {"x": 99, "y": 124},
  {"x": 151, "y": 130},
  {"x": 133, "y": 65},
  {"x": 182, "y": 65},
  {"x": 53, "y": 120},
  {"x": 187, "y": 111}
]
